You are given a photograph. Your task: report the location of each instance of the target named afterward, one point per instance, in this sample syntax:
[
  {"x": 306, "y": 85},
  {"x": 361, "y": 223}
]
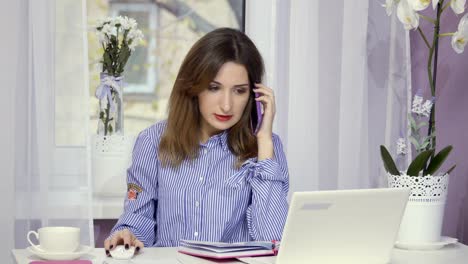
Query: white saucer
[
  {"x": 60, "y": 256},
  {"x": 444, "y": 241}
]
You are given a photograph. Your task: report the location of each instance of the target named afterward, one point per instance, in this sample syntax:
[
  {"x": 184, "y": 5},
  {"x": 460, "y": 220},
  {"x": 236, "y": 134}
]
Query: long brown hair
[{"x": 181, "y": 137}]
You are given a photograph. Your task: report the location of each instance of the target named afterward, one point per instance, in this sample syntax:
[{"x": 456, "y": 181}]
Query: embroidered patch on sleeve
[{"x": 132, "y": 191}]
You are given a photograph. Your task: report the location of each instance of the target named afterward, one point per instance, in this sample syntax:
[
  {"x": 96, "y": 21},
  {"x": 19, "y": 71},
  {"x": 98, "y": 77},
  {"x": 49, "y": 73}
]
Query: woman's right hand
[{"x": 123, "y": 237}]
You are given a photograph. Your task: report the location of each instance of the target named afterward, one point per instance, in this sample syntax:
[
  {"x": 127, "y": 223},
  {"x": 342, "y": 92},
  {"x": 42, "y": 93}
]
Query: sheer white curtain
[
  {"x": 341, "y": 92},
  {"x": 9, "y": 49},
  {"x": 51, "y": 156}
]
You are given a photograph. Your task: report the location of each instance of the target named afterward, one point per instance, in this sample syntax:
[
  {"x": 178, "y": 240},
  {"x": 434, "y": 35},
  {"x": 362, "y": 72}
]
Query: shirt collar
[{"x": 218, "y": 140}]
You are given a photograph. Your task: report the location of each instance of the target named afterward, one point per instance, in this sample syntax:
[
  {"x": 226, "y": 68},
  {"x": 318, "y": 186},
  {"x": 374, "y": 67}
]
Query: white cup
[{"x": 56, "y": 239}]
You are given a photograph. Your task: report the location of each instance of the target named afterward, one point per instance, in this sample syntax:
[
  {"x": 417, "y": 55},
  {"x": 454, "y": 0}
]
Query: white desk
[{"x": 454, "y": 254}]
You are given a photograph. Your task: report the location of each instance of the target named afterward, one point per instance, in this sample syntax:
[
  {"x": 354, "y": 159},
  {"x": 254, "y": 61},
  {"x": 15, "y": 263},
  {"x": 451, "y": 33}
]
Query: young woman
[{"x": 203, "y": 174}]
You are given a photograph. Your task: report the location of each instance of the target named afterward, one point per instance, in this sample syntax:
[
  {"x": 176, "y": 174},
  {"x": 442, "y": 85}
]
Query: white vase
[
  {"x": 423, "y": 217},
  {"x": 111, "y": 157}
]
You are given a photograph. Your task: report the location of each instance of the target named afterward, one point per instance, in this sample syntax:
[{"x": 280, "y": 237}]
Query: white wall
[{"x": 8, "y": 63}]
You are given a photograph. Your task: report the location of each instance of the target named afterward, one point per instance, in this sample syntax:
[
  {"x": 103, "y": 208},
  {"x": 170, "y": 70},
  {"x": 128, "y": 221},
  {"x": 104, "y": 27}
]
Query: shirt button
[
  {"x": 205, "y": 151},
  {"x": 197, "y": 203},
  {"x": 201, "y": 179},
  {"x": 195, "y": 234}
]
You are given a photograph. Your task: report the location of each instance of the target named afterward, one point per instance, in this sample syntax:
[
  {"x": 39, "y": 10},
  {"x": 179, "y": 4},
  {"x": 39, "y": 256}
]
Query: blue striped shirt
[{"x": 206, "y": 199}]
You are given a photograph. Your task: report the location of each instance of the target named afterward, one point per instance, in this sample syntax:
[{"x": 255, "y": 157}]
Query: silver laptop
[{"x": 343, "y": 226}]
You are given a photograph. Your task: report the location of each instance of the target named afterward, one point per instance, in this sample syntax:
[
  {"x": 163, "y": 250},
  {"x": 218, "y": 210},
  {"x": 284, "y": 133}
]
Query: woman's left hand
[{"x": 267, "y": 98}]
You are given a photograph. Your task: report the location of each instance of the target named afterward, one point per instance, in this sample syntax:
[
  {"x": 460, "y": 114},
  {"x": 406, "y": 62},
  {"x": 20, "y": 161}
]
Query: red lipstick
[{"x": 223, "y": 118}]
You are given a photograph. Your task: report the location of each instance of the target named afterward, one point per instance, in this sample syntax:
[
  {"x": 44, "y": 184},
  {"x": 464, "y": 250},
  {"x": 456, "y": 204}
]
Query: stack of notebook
[{"x": 219, "y": 250}]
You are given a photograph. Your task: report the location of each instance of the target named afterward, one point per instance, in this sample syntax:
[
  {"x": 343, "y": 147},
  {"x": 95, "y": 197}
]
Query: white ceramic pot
[
  {"x": 423, "y": 217},
  {"x": 111, "y": 157}
]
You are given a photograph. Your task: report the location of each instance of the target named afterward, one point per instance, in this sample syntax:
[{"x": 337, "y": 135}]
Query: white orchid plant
[
  {"x": 118, "y": 36},
  {"x": 426, "y": 162}
]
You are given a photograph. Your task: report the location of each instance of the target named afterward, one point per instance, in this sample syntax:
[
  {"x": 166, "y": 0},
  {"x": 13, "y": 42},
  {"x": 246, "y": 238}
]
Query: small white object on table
[{"x": 453, "y": 254}]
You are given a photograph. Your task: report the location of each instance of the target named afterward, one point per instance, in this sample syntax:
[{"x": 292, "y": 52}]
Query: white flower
[
  {"x": 128, "y": 23},
  {"x": 418, "y": 99},
  {"x": 401, "y": 147},
  {"x": 117, "y": 21},
  {"x": 420, "y": 108},
  {"x": 109, "y": 30},
  {"x": 459, "y": 42},
  {"x": 417, "y": 105},
  {"x": 100, "y": 22},
  {"x": 458, "y": 6},
  {"x": 419, "y": 5},
  {"x": 407, "y": 15},
  {"x": 460, "y": 37},
  {"x": 426, "y": 108},
  {"x": 135, "y": 36},
  {"x": 434, "y": 3},
  {"x": 390, "y": 6},
  {"x": 134, "y": 33},
  {"x": 125, "y": 24},
  {"x": 132, "y": 22},
  {"x": 103, "y": 39}
]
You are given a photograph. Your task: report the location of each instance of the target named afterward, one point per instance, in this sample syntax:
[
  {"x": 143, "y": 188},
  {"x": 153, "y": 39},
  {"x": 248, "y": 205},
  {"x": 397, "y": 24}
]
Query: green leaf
[
  {"x": 107, "y": 62},
  {"x": 412, "y": 123},
  {"x": 424, "y": 145},
  {"x": 113, "y": 40},
  {"x": 428, "y": 138},
  {"x": 414, "y": 142},
  {"x": 421, "y": 124},
  {"x": 437, "y": 160},
  {"x": 124, "y": 54},
  {"x": 451, "y": 169},
  {"x": 419, "y": 163},
  {"x": 389, "y": 164}
]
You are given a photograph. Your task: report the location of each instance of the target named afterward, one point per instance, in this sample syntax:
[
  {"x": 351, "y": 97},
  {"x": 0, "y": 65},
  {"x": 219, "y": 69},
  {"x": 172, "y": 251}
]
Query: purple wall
[
  {"x": 102, "y": 229},
  {"x": 451, "y": 114}
]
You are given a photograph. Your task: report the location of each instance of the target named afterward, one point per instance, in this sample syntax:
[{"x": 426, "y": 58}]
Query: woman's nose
[{"x": 226, "y": 102}]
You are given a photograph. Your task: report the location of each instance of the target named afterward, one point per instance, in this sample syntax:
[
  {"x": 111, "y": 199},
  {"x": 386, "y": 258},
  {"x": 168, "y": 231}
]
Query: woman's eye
[
  {"x": 213, "y": 88},
  {"x": 241, "y": 90}
]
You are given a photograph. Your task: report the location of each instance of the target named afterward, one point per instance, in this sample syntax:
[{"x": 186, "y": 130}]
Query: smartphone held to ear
[{"x": 256, "y": 115}]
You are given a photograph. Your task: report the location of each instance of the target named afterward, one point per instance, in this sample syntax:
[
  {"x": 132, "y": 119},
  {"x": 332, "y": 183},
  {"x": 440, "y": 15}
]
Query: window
[
  {"x": 141, "y": 74},
  {"x": 170, "y": 28}
]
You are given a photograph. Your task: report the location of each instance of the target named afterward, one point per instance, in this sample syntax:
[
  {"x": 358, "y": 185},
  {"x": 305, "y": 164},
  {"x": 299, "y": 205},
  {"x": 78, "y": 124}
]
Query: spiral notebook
[{"x": 219, "y": 250}]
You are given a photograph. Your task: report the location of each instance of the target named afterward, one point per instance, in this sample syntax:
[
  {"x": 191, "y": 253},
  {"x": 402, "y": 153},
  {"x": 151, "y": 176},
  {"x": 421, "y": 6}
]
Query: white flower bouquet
[{"x": 118, "y": 36}]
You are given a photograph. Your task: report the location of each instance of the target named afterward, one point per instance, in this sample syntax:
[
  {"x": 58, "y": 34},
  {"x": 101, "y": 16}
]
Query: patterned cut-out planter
[{"x": 424, "y": 213}]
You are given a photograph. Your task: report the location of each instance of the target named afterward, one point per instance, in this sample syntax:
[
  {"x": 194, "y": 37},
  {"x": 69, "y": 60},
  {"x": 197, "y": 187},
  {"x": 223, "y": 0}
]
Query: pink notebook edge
[
  {"x": 272, "y": 253},
  {"x": 76, "y": 261}
]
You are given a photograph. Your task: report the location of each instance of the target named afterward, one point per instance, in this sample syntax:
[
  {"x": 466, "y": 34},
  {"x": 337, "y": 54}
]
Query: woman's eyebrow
[
  {"x": 237, "y": 85},
  {"x": 241, "y": 85}
]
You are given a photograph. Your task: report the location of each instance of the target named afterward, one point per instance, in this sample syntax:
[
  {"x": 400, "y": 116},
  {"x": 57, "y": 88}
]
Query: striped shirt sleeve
[
  {"x": 139, "y": 211},
  {"x": 267, "y": 213}
]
